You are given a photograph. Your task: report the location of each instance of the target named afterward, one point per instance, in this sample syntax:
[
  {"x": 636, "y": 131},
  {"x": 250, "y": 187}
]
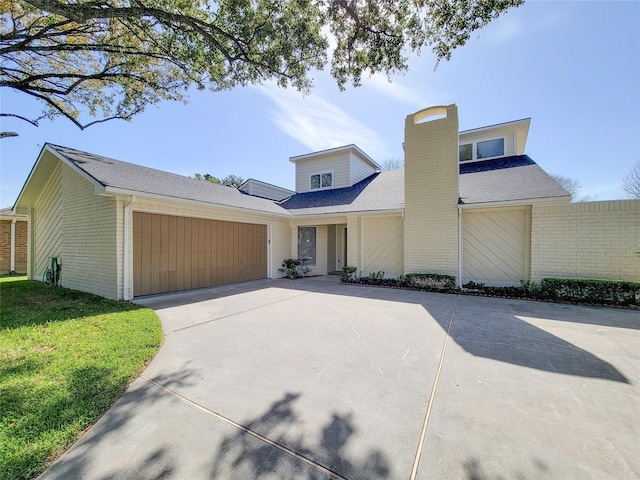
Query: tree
[
  {"x": 631, "y": 181},
  {"x": 571, "y": 185},
  {"x": 393, "y": 164},
  {"x": 107, "y": 59},
  {"x": 230, "y": 180},
  {"x": 207, "y": 177}
]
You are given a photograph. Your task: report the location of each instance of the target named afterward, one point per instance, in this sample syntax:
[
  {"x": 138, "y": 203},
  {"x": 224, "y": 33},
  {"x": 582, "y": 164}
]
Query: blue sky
[{"x": 572, "y": 66}]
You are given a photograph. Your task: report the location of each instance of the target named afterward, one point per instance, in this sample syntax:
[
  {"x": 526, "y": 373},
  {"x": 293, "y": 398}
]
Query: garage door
[
  {"x": 179, "y": 253},
  {"x": 495, "y": 246}
]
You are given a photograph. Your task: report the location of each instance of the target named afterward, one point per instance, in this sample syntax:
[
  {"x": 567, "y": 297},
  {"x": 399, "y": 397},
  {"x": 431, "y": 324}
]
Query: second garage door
[{"x": 179, "y": 253}]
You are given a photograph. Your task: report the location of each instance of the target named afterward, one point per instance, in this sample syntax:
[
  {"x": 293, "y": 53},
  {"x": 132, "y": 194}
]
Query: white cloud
[
  {"x": 400, "y": 92},
  {"x": 319, "y": 124}
]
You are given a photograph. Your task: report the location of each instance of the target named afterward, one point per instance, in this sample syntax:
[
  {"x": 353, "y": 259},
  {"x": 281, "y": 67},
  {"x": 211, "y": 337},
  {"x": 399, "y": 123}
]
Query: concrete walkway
[{"x": 309, "y": 379}]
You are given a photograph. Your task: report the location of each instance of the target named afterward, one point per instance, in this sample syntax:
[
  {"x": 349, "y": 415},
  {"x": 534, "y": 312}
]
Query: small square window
[
  {"x": 327, "y": 180},
  {"x": 315, "y": 181},
  {"x": 321, "y": 180}
]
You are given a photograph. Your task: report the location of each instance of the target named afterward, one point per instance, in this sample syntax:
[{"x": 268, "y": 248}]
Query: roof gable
[{"x": 114, "y": 176}]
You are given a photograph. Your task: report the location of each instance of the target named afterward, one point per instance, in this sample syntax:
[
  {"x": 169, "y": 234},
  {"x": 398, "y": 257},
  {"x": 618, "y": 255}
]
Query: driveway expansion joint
[
  {"x": 416, "y": 463},
  {"x": 205, "y": 322},
  {"x": 248, "y": 431}
]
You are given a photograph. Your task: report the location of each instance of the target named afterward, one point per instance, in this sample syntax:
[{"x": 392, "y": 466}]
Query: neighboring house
[
  {"x": 469, "y": 204},
  {"x": 13, "y": 242}
]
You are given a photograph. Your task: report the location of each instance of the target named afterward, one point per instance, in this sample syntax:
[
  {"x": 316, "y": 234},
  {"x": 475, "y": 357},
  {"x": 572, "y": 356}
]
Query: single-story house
[
  {"x": 470, "y": 204},
  {"x": 13, "y": 242}
]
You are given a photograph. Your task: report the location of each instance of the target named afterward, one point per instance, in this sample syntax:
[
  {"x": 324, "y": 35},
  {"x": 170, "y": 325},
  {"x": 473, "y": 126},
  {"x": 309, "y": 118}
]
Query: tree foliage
[
  {"x": 230, "y": 180},
  {"x": 105, "y": 59},
  {"x": 631, "y": 182}
]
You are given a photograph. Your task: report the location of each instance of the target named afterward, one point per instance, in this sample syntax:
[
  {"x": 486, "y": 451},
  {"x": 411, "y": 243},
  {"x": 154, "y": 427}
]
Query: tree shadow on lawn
[
  {"x": 29, "y": 302},
  {"x": 93, "y": 445},
  {"x": 40, "y": 417}
]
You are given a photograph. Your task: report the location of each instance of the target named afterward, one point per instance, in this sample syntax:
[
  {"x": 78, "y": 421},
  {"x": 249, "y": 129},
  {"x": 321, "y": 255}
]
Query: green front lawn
[{"x": 65, "y": 357}]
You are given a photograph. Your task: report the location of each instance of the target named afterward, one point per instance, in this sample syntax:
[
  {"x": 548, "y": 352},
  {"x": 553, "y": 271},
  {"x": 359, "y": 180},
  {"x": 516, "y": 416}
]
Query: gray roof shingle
[
  {"x": 136, "y": 178},
  {"x": 507, "y": 179},
  {"x": 380, "y": 191}
]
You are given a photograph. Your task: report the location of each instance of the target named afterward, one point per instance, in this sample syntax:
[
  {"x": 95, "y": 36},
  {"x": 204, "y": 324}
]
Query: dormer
[
  {"x": 334, "y": 168},
  {"x": 496, "y": 141}
]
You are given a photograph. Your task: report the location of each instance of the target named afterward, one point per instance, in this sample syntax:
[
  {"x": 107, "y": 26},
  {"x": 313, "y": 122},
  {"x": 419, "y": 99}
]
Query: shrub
[
  {"x": 295, "y": 267},
  {"x": 348, "y": 274},
  {"x": 290, "y": 267},
  {"x": 431, "y": 282},
  {"x": 605, "y": 292},
  {"x": 592, "y": 291}
]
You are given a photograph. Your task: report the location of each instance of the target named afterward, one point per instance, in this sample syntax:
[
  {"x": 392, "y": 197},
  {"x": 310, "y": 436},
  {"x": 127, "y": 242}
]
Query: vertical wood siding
[{"x": 173, "y": 253}]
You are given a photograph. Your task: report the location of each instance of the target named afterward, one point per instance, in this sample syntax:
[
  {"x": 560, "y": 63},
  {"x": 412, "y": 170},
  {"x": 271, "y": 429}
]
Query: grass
[{"x": 65, "y": 357}]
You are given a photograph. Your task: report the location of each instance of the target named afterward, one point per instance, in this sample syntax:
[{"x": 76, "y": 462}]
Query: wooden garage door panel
[
  {"x": 495, "y": 246},
  {"x": 179, "y": 253}
]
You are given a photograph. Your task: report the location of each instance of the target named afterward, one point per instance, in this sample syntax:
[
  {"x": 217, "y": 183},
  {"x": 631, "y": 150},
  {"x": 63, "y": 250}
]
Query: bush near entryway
[{"x": 65, "y": 358}]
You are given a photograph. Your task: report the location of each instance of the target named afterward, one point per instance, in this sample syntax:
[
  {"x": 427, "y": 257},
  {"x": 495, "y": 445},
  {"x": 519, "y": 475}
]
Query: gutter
[
  {"x": 198, "y": 203},
  {"x": 126, "y": 241}
]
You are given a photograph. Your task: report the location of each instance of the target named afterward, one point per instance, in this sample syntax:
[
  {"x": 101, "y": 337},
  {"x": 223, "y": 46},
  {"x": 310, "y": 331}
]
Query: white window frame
[
  {"x": 474, "y": 150},
  {"x": 333, "y": 180}
]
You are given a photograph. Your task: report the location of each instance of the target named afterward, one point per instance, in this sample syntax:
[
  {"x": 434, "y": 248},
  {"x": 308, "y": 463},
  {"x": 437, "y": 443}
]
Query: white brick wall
[
  {"x": 89, "y": 255},
  {"x": 431, "y": 194},
  {"x": 597, "y": 240}
]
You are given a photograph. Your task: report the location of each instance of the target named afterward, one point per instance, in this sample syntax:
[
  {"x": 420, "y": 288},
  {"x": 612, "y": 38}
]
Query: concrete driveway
[{"x": 309, "y": 379}]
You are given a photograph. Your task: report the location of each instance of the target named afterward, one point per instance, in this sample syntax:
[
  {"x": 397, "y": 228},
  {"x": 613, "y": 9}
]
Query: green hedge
[
  {"x": 592, "y": 291},
  {"x": 429, "y": 282},
  {"x": 603, "y": 292}
]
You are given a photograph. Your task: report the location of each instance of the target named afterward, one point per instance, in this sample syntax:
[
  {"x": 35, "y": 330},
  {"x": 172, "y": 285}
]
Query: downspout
[
  {"x": 13, "y": 246},
  {"x": 460, "y": 243},
  {"x": 126, "y": 241}
]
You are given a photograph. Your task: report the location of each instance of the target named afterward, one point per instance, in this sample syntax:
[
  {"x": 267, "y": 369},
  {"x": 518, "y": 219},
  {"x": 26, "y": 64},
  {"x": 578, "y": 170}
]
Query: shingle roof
[
  {"x": 380, "y": 191},
  {"x": 136, "y": 178},
  {"x": 500, "y": 180},
  {"x": 507, "y": 179}
]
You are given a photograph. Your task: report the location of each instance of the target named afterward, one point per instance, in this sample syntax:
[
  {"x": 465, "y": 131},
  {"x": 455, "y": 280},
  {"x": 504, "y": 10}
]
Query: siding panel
[
  {"x": 495, "y": 246},
  {"x": 382, "y": 238}
]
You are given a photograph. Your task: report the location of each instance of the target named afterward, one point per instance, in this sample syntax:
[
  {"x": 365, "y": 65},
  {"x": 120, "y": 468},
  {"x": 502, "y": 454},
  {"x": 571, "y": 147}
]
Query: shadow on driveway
[{"x": 492, "y": 328}]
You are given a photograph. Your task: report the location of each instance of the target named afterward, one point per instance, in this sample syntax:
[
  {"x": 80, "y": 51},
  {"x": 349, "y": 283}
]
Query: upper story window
[
  {"x": 321, "y": 180},
  {"x": 481, "y": 150}
]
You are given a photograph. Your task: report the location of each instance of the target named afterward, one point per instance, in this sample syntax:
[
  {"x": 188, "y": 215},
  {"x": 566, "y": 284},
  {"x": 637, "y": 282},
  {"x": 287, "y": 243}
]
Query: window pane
[
  {"x": 327, "y": 180},
  {"x": 465, "y": 152},
  {"x": 307, "y": 244},
  {"x": 491, "y": 148},
  {"x": 315, "y": 181}
]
